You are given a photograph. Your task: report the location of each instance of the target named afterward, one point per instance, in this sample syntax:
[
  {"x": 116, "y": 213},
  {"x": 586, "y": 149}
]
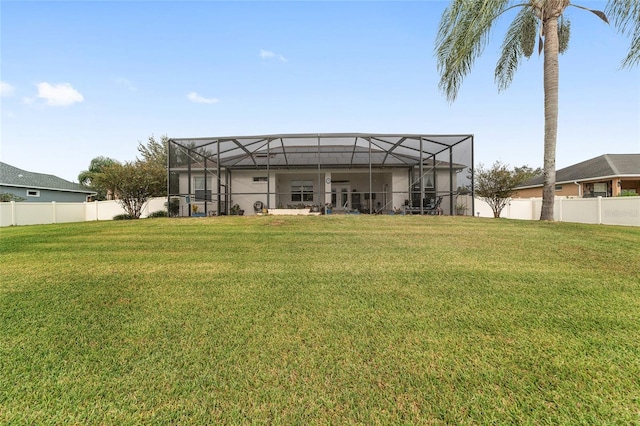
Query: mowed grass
[{"x": 320, "y": 320}]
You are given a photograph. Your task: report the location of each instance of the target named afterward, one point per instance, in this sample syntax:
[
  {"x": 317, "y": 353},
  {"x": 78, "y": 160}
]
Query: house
[
  {"x": 38, "y": 187},
  {"x": 608, "y": 175},
  {"x": 351, "y": 172}
]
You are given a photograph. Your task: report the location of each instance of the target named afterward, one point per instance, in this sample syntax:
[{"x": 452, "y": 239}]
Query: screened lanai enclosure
[{"x": 331, "y": 173}]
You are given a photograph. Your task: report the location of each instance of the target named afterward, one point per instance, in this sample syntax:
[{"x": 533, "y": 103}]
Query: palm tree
[
  {"x": 88, "y": 177},
  {"x": 464, "y": 33}
]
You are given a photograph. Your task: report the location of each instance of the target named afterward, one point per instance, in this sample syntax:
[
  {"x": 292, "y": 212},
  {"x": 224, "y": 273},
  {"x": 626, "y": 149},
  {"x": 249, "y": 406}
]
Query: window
[
  {"x": 259, "y": 178},
  {"x": 558, "y": 187},
  {"x": 200, "y": 193},
  {"x": 33, "y": 193},
  {"x": 600, "y": 187},
  {"x": 301, "y": 190}
]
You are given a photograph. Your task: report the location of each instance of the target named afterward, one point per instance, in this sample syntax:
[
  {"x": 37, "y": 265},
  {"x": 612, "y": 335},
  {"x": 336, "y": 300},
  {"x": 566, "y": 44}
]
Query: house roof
[
  {"x": 604, "y": 166},
  {"x": 13, "y": 176}
]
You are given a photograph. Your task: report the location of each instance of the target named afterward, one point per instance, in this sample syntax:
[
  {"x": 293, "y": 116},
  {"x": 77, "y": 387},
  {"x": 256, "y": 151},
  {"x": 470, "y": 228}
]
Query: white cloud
[
  {"x": 268, "y": 54},
  {"x": 6, "y": 89},
  {"x": 194, "y": 97},
  {"x": 59, "y": 94},
  {"x": 123, "y": 82}
]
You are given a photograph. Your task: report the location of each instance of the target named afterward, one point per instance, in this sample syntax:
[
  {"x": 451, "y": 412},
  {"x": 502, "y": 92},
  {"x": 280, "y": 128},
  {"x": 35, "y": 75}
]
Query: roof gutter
[{"x": 88, "y": 191}]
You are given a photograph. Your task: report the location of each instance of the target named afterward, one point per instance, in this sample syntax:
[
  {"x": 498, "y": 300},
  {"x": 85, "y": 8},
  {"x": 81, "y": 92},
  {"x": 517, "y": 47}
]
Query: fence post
[
  {"x": 53, "y": 212},
  {"x": 599, "y": 207},
  {"x": 14, "y": 222},
  {"x": 559, "y": 209}
]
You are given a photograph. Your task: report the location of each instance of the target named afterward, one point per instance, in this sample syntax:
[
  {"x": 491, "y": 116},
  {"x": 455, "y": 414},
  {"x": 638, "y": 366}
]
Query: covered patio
[{"x": 345, "y": 172}]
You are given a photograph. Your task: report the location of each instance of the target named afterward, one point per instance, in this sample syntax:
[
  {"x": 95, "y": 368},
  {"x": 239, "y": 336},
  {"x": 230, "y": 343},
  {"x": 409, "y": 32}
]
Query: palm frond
[
  {"x": 519, "y": 41},
  {"x": 625, "y": 15},
  {"x": 463, "y": 34},
  {"x": 564, "y": 32},
  {"x": 598, "y": 13}
]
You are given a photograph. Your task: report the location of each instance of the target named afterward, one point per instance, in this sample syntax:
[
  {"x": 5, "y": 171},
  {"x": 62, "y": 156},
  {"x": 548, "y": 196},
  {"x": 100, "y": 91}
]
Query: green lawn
[{"x": 320, "y": 320}]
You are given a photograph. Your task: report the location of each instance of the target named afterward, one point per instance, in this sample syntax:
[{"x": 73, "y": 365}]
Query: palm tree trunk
[{"x": 551, "y": 77}]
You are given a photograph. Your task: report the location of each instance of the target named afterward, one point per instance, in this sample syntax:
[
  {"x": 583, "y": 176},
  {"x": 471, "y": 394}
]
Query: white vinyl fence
[
  {"x": 609, "y": 211},
  {"x": 15, "y": 214},
  {"x": 606, "y": 211}
]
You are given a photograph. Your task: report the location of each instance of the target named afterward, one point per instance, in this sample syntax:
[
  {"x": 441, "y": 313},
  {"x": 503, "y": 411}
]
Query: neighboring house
[
  {"x": 367, "y": 173},
  {"x": 38, "y": 187},
  {"x": 608, "y": 175}
]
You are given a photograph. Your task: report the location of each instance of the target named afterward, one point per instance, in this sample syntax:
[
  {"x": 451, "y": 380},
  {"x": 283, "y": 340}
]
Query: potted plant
[
  {"x": 460, "y": 209},
  {"x": 236, "y": 210},
  {"x": 195, "y": 212}
]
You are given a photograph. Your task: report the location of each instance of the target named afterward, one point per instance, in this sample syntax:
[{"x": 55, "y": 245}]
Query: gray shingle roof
[
  {"x": 607, "y": 165},
  {"x": 13, "y": 176}
]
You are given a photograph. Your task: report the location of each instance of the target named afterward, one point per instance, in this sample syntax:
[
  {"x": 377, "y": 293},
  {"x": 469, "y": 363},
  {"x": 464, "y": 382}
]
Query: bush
[
  {"x": 5, "y": 198},
  {"x": 159, "y": 213},
  {"x": 123, "y": 216}
]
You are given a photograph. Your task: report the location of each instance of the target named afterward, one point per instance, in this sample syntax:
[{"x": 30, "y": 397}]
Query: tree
[
  {"x": 87, "y": 177},
  {"x": 156, "y": 153},
  {"x": 497, "y": 185},
  {"x": 134, "y": 183},
  {"x": 527, "y": 172},
  {"x": 464, "y": 33}
]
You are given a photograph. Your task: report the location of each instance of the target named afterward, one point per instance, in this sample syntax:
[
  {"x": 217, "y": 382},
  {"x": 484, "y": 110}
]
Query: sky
[{"x": 96, "y": 78}]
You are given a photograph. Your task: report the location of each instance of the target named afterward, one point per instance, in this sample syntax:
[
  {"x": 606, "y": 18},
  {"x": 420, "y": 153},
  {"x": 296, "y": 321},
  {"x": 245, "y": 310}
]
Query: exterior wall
[
  {"x": 400, "y": 187},
  {"x": 45, "y": 195},
  {"x": 586, "y": 189},
  {"x": 245, "y": 192},
  {"x": 528, "y": 193},
  {"x": 566, "y": 190},
  {"x": 183, "y": 184},
  {"x": 389, "y": 187}
]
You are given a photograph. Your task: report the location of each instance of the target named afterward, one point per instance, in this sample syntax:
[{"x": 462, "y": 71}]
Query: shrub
[
  {"x": 159, "y": 213},
  {"x": 5, "y": 198},
  {"x": 123, "y": 216}
]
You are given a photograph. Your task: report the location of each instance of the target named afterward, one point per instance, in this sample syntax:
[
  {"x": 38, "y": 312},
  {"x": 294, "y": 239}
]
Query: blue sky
[{"x": 83, "y": 79}]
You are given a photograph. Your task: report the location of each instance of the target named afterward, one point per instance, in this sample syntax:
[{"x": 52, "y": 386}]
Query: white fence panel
[
  {"x": 69, "y": 212},
  {"x": 154, "y": 205},
  {"x": 581, "y": 210},
  {"x": 6, "y": 214},
  {"x": 13, "y": 213},
  {"x": 33, "y": 213},
  {"x": 482, "y": 208},
  {"x": 621, "y": 211},
  {"x": 521, "y": 209},
  {"x": 106, "y": 210},
  {"x": 611, "y": 211}
]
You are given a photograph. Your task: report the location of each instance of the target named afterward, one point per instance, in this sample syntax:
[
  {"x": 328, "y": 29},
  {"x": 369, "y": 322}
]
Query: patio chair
[{"x": 435, "y": 208}]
